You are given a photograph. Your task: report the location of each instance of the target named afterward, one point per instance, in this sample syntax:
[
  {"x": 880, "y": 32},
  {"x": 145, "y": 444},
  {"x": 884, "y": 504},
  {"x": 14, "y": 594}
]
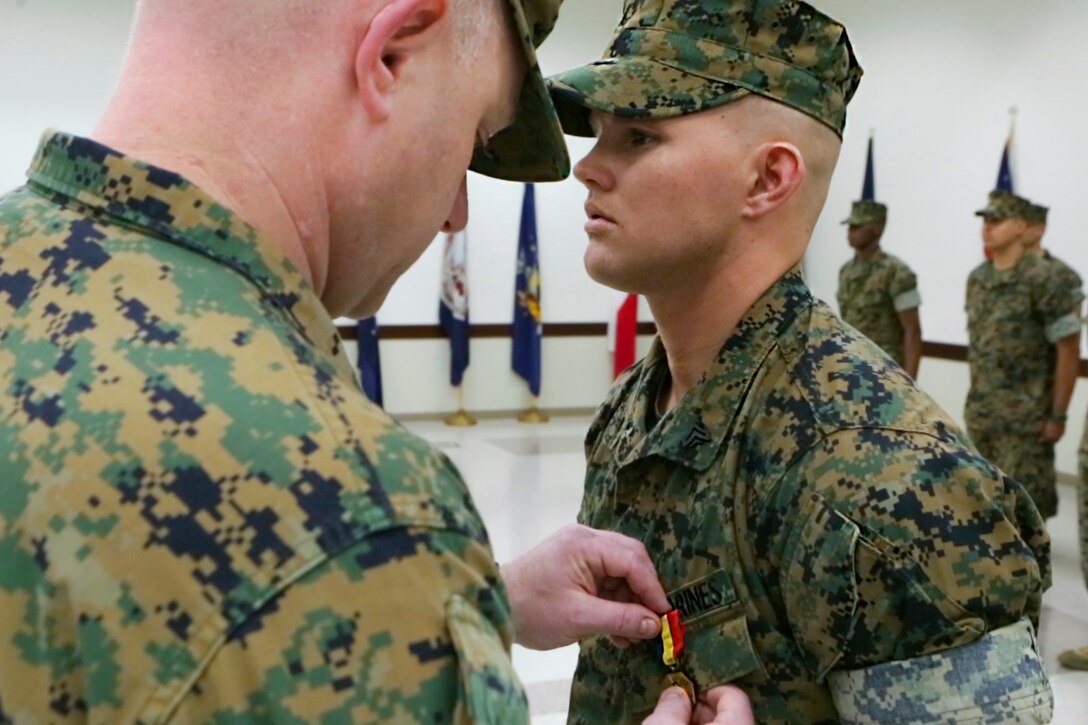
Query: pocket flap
[{"x": 819, "y": 584}]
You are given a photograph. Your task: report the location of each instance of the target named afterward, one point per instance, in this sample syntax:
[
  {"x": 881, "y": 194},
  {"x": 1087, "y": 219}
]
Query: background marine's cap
[
  {"x": 867, "y": 212},
  {"x": 532, "y": 149},
  {"x": 674, "y": 57},
  {"x": 1037, "y": 214},
  {"x": 1005, "y": 205}
]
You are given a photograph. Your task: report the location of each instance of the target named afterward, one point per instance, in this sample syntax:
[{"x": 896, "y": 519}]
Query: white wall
[{"x": 940, "y": 78}]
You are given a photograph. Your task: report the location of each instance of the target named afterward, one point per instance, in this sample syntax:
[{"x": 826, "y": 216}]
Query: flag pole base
[
  {"x": 460, "y": 419},
  {"x": 533, "y": 416}
]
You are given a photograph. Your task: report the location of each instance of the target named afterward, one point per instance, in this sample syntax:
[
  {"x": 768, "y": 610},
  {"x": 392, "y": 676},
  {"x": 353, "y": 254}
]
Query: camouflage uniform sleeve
[
  {"x": 918, "y": 553},
  {"x": 1056, "y": 302},
  {"x": 1072, "y": 280},
  {"x": 840, "y": 295},
  {"x": 903, "y": 288},
  {"x": 411, "y": 624}
]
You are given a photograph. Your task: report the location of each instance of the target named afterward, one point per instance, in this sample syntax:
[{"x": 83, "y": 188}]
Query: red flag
[{"x": 622, "y": 332}]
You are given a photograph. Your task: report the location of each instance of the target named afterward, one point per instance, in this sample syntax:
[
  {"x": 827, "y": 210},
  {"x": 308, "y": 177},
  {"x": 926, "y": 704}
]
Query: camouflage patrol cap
[
  {"x": 674, "y": 57},
  {"x": 532, "y": 148},
  {"x": 1005, "y": 205},
  {"x": 867, "y": 212},
  {"x": 1037, "y": 214}
]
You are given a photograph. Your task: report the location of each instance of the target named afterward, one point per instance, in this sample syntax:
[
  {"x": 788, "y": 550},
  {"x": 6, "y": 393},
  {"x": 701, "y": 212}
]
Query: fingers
[
  {"x": 673, "y": 708},
  {"x": 625, "y": 558},
  {"x": 726, "y": 705},
  {"x": 631, "y": 622}
]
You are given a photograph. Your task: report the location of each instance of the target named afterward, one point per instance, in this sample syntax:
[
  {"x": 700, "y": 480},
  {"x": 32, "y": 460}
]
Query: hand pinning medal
[{"x": 672, "y": 648}]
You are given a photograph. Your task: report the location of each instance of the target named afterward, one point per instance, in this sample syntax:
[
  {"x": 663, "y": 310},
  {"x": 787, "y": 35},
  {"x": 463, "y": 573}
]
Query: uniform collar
[
  {"x": 875, "y": 258},
  {"x": 168, "y": 206},
  {"x": 693, "y": 433}
]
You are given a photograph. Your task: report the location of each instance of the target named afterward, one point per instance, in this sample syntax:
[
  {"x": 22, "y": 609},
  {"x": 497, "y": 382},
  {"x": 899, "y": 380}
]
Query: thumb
[
  {"x": 618, "y": 619},
  {"x": 673, "y": 708}
]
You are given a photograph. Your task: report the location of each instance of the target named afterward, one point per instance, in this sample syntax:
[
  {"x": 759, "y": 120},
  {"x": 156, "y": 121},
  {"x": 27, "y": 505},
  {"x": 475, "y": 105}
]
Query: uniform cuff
[
  {"x": 1062, "y": 328},
  {"x": 998, "y": 678},
  {"x": 908, "y": 301}
]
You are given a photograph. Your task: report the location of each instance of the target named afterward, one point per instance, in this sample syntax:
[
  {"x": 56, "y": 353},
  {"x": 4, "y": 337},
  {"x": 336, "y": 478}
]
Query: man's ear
[
  {"x": 780, "y": 171},
  {"x": 384, "y": 47}
]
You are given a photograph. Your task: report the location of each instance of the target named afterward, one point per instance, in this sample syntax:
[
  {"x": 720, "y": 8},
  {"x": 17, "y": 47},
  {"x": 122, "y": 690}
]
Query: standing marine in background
[
  {"x": 1077, "y": 659},
  {"x": 878, "y": 292},
  {"x": 1036, "y": 218},
  {"x": 1024, "y": 351}
]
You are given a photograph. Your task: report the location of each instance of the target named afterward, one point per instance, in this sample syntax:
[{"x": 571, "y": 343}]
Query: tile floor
[{"x": 527, "y": 482}]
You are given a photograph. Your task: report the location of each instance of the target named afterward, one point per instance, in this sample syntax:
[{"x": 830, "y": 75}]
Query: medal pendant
[{"x": 679, "y": 679}]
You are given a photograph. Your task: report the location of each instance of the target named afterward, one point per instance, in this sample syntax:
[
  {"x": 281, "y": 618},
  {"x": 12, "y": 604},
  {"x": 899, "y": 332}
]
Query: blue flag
[
  {"x": 453, "y": 304},
  {"x": 528, "y": 327},
  {"x": 1004, "y": 174},
  {"x": 370, "y": 363},
  {"x": 868, "y": 190}
]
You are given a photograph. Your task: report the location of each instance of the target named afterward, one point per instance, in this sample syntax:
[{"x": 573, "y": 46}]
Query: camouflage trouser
[
  {"x": 1029, "y": 461},
  {"x": 1082, "y": 507}
]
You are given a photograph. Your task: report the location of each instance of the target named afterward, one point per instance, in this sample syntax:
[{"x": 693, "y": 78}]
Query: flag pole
[
  {"x": 460, "y": 419},
  {"x": 534, "y": 415}
]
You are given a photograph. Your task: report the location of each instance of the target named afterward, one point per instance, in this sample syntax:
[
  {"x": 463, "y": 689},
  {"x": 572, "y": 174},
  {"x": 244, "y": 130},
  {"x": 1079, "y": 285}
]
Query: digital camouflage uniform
[
  {"x": 836, "y": 546},
  {"x": 871, "y": 295},
  {"x": 1067, "y": 276},
  {"x": 1014, "y": 318},
  {"x": 1038, "y": 214},
  {"x": 204, "y": 518}
]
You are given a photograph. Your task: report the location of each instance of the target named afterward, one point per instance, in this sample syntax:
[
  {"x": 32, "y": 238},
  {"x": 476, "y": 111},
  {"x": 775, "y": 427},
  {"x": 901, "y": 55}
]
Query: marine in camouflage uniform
[
  {"x": 876, "y": 289},
  {"x": 1036, "y": 216},
  {"x": 1077, "y": 658},
  {"x": 203, "y": 519},
  {"x": 835, "y": 545},
  {"x": 1015, "y": 317}
]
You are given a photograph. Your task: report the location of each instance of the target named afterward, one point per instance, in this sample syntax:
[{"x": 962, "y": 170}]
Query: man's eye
[{"x": 640, "y": 138}]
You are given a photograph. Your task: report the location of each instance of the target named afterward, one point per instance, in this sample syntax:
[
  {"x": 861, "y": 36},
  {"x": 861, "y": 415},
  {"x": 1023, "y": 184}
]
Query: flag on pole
[
  {"x": 623, "y": 332},
  {"x": 370, "y": 363},
  {"x": 453, "y": 304},
  {"x": 528, "y": 327},
  {"x": 868, "y": 189},
  {"x": 1004, "y": 172}
]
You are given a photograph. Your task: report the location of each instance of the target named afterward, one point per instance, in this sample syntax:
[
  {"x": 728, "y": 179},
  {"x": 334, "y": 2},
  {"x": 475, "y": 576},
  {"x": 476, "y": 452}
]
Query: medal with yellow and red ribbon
[
  {"x": 672, "y": 648},
  {"x": 672, "y": 639}
]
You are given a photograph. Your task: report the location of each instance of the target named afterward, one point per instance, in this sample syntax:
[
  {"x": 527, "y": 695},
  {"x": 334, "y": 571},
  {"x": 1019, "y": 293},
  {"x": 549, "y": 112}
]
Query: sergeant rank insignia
[{"x": 672, "y": 649}]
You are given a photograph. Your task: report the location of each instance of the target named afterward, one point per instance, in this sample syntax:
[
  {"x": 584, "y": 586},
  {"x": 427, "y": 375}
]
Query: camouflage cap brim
[
  {"x": 867, "y": 212},
  {"x": 625, "y": 87},
  {"x": 532, "y": 148},
  {"x": 856, "y": 219},
  {"x": 1004, "y": 204}
]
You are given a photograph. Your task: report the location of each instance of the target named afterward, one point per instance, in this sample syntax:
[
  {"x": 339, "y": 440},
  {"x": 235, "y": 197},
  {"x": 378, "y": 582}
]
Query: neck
[
  {"x": 695, "y": 320},
  {"x": 1007, "y": 257},
  {"x": 244, "y": 165},
  {"x": 1036, "y": 249},
  {"x": 868, "y": 252}
]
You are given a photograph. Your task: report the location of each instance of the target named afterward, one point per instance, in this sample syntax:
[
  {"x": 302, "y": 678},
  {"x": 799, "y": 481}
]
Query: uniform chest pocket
[{"x": 718, "y": 647}]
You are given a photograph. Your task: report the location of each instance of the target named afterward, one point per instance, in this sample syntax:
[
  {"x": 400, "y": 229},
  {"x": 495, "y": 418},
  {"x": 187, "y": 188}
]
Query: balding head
[{"x": 341, "y": 128}]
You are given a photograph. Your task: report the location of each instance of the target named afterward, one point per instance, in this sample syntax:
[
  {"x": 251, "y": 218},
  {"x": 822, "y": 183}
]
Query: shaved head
[
  {"x": 760, "y": 121},
  {"x": 253, "y": 24},
  {"x": 298, "y": 114}
]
